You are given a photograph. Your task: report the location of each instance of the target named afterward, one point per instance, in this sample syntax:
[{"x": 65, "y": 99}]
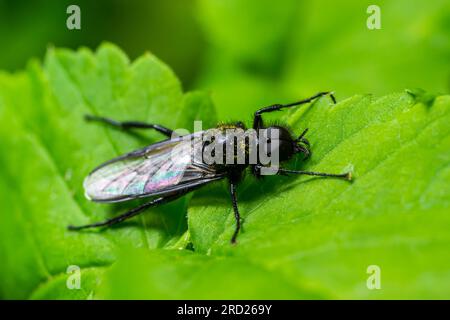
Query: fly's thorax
[
  {"x": 230, "y": 145},
  {"x": 227, "y": 146}
]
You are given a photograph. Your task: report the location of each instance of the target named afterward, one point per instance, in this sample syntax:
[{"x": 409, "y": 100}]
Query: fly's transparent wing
[{"x": 161, "y": 168}]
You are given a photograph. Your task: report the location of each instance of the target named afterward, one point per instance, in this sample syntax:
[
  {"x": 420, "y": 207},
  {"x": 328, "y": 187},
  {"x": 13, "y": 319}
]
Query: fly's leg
[
  {"x": 236, "y": 212},
  {"x": 130, "y": 124},
  {"x": 346, "y": 176},
  {"x": 129, "y": 214},
  {"x": 257, "y": 120}
]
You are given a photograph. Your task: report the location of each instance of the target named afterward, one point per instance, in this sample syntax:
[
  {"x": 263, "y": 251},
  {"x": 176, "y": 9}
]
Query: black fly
[{"x": 167, "y": 170}]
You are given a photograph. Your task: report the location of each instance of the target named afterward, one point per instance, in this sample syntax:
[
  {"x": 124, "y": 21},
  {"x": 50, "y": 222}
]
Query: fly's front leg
[
  {"x": 285, "y": 172},
  {"x": 346, "y": 175},
  {"x": 130, "y": 124},
  {"x": 257, "y": 120}
]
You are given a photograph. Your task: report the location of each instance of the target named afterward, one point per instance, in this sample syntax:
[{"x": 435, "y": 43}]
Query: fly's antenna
[{"x": 300, "y": 137}]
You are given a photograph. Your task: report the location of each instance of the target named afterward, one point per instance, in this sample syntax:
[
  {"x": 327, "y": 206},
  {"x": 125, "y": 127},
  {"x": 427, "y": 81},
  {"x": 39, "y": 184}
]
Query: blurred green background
[{"x": 251, "y": 52}]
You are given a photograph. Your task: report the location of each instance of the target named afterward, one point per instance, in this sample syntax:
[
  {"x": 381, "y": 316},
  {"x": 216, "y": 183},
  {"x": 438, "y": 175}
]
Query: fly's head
[{"x": 279, "y": 140}]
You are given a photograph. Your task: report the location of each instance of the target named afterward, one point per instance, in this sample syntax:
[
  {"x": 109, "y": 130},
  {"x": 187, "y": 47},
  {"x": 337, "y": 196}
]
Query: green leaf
[
  {"x": 301, "y": 237},
  {"x": 422, "y": 96},
  {"x": 324, "y": 233},
  {"x": 51, "y": 150},
  {"x": 171, "y": 274}
]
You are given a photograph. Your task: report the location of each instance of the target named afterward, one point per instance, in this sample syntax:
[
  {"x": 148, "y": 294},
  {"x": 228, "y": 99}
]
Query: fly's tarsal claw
[{"x": 349, "y": 176}]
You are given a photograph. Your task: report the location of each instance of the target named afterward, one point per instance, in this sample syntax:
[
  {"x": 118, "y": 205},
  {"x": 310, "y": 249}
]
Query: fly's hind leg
[
  {"x": 130, "y": 124},
  {"x": 131, "y": 213}
]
